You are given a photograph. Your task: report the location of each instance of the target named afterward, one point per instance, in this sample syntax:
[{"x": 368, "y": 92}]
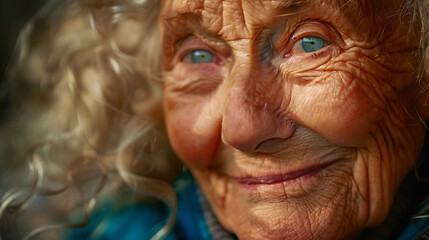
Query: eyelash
[
  {"x": 310, "y": 28},
  {"x": 182, "y": 54}
]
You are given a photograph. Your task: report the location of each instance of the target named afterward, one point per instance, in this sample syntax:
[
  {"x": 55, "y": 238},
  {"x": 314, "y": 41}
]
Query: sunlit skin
[{"x": 288, "y": 143}]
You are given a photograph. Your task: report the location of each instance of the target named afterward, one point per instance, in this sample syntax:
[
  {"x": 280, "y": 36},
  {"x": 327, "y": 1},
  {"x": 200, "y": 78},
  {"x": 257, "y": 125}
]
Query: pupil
[
  {"x": 312, "y": 43},
  {"x": 201, "y": 56}
]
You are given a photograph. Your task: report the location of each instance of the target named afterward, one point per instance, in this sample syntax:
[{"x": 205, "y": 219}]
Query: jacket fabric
[{"x": 195, "y": 219}]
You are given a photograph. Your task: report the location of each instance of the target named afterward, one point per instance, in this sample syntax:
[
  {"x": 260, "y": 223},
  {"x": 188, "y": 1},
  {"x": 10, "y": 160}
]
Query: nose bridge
[
  {"x": 248, "y": 89},
  {"x": 249, "y": 79},
  {"x": 254, "y": 111}
]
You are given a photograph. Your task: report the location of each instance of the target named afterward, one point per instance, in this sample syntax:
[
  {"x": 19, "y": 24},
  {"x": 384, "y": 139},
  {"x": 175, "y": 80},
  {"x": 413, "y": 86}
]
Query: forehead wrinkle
[
  {"x": 191, "y": 12},
  {"x": 285, "y": 7},
  {"x": 181, "y": 12},
  {"x": 371, "y": 12},
  {"x": 361, "y": 8},
  {"x": 174, "y": 7},
  {"x": 351, "y": 7},
  {"x": 260, "y": 19},
  {"x": 292, "y": 4},
  {"x": 179, "y": 15},
  {"x": 197, "y": 13},
  {"x": 182, "y": 18}
]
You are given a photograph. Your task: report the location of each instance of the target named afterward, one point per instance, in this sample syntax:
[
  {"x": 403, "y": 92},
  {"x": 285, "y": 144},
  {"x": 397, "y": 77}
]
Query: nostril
[
  {"x": 278, "y": 139},
  {"x": 264, "y": 139}
]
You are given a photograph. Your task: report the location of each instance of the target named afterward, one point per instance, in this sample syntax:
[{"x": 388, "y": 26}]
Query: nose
[{"x": 255, "y": 116}]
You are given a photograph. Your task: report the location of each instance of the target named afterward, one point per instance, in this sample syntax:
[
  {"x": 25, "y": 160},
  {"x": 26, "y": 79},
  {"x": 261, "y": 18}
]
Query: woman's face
[{"x": 297, "y": 118}]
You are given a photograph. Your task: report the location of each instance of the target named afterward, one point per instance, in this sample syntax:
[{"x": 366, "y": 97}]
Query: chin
[{"x": 318, "y": 206}]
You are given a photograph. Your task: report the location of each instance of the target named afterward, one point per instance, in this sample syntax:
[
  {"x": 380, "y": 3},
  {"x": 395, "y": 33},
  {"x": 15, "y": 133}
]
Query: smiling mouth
[{"x": 273, "y": 179}]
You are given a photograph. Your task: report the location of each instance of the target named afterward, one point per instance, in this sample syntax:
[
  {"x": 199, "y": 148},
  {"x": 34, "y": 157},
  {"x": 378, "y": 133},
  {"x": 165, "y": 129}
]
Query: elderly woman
[{"x": 294, "y": 119}]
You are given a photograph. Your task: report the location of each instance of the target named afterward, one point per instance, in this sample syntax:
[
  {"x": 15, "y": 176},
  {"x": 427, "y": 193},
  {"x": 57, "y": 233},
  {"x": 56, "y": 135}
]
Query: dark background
[{"x": 13, "y": 15}]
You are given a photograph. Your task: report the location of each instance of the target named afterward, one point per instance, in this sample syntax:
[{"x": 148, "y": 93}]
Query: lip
[{"x": 273, "y": 179}]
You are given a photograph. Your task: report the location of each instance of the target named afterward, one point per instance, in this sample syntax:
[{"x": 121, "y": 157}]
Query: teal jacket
[
  {"x": 142, "y": 221},
  {"x": 195, "y": 220}
]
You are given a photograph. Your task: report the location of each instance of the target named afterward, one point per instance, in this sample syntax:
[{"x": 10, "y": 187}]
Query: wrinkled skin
[{"x": 264, "y": 108}]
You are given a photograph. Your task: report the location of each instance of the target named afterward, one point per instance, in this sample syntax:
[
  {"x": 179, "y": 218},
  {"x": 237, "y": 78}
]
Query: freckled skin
[{"x": 350, "y": 104}]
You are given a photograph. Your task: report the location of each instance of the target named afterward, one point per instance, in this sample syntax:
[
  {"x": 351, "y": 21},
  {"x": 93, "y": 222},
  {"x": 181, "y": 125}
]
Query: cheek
[
  {"x": 344, "y": 103},
  {"x": 340, "y": 113},
  {"x": 192, "y": 130}
]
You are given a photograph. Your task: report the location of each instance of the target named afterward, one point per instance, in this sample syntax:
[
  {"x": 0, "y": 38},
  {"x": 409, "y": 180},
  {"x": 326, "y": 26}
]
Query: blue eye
[
  {"x": 200, "y": 56},
  {"x": 312, "y": 44}
]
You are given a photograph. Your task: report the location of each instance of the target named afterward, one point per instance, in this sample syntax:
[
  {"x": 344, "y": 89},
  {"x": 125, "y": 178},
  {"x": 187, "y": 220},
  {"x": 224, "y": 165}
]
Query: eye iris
[
  {"x": 201, "y": 56},
  {"x": 312, "y": 44}
]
